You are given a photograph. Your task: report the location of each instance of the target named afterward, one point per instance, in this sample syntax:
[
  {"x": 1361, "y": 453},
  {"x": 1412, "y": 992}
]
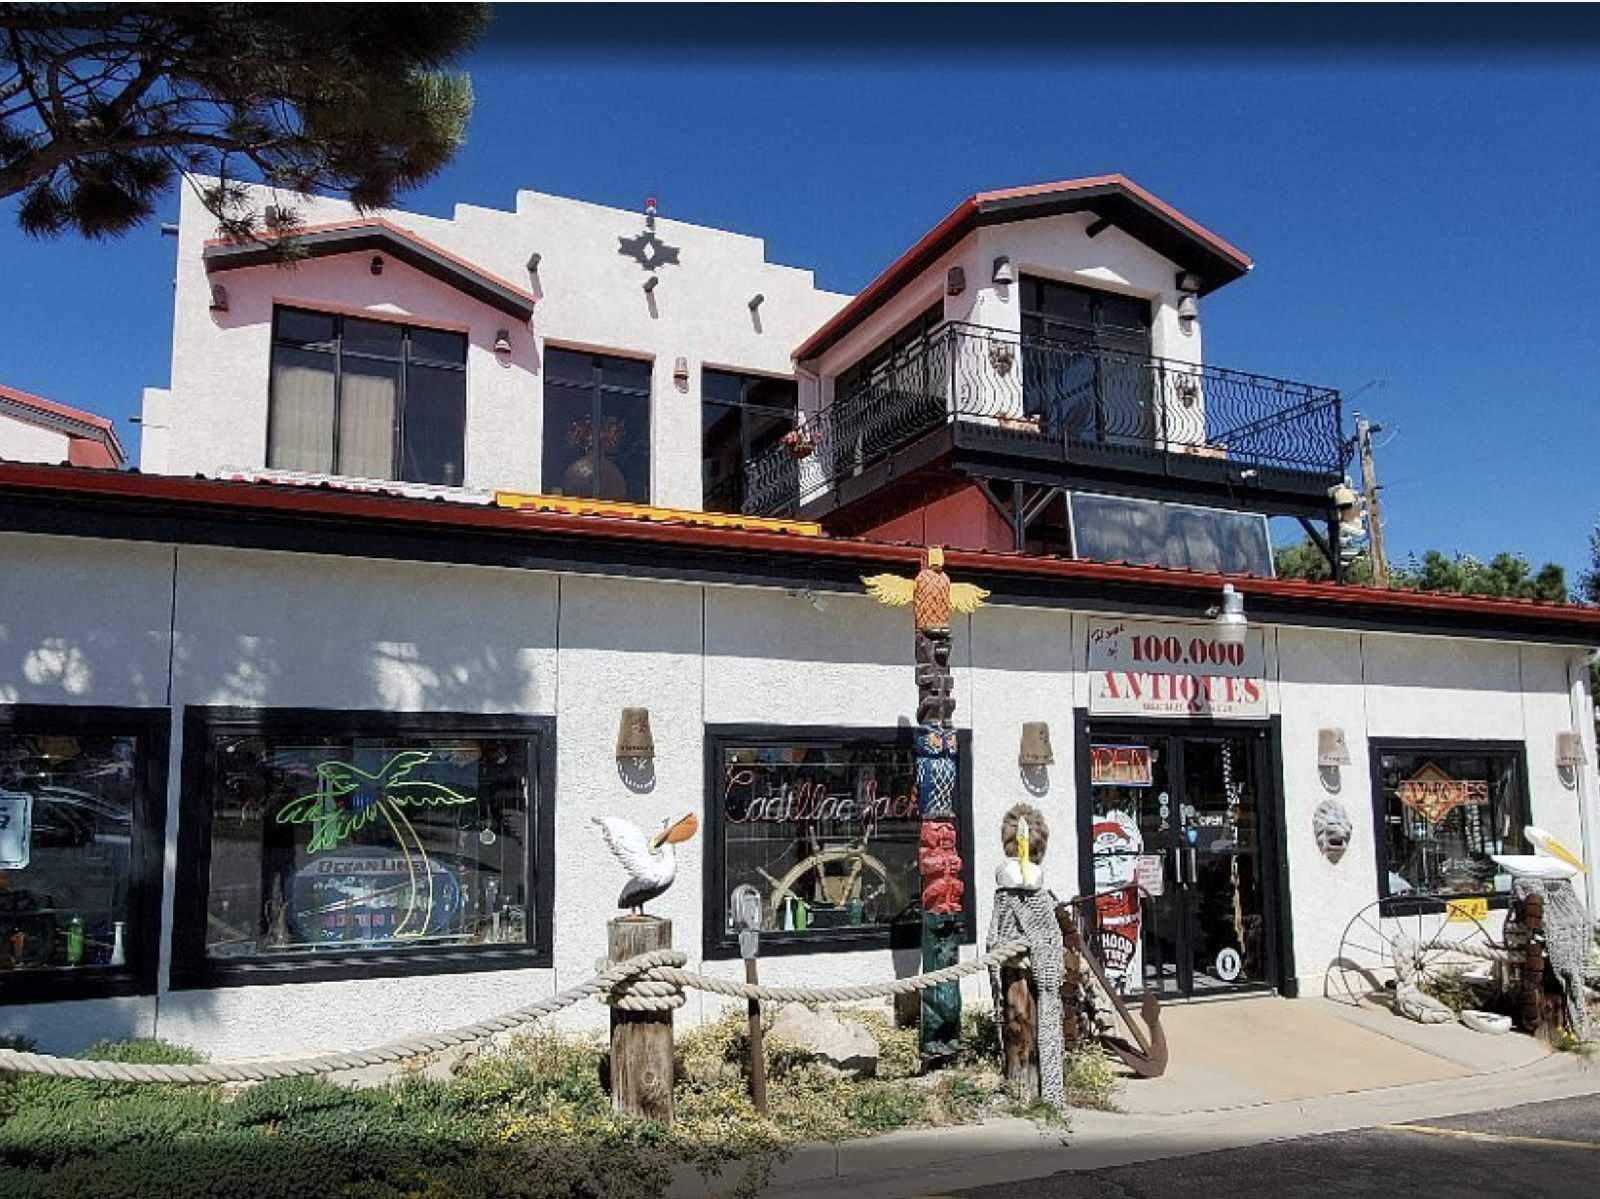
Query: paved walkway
[{"x": 1243, "y": 1072}]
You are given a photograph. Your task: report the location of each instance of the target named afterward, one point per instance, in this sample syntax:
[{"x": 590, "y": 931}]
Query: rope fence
[{"x": 653, "y": 981}]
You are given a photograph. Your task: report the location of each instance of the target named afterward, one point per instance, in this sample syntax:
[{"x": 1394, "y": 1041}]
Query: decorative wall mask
[{"x": 1331, "y": 826}]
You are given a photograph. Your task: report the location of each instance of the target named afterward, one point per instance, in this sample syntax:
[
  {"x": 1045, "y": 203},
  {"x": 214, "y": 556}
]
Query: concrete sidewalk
[{"x": 1244, "y": 1072}]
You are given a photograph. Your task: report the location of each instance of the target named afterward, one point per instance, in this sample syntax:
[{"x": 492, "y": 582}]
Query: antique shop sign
[
  {"x": 1467, "y": 911},
  {"x": 1168, "y": 668},
  {"x": 1433, "y": 794},
  {"x": 1119, "y": 765}
]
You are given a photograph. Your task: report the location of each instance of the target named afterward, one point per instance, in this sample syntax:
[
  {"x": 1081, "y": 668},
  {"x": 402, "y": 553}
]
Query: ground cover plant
[{"x": 530, "y": 1120}]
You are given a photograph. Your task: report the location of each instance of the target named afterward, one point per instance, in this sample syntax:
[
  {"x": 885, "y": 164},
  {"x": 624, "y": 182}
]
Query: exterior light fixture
[
  {"x": 1569, "y": 751},
  {"x": 756, "y": 301},
  {"x": 634, "y": 740},
  {"x": 680, "y": 373},
  {"x": 1229, "y": 617},
  {"x": 534, "y": 260},
  {"x": 955, "y": 281},
  {"x": 1004, "y": 272},
  {"x": 376, "y": 265},
  {"x": 1332, "y": 749},
  {"x": 1188, "y": 309},
  {"x": 1342, "y": 495},
  {"x": 1188, "y": 281},
  {"x": 219, "y": 298},
  {"x": 650, "y": 283},
  {"x": 502, "y": 341},
  {"x": 1035, "y": 749}
]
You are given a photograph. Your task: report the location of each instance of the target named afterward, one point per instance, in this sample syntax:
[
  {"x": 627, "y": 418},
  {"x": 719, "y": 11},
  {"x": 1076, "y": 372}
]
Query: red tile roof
[{"x": 100, "y": 447}]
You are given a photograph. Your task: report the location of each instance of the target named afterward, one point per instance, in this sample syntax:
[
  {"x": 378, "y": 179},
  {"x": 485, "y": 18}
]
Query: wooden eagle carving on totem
[{"x": 931, "y": 594}]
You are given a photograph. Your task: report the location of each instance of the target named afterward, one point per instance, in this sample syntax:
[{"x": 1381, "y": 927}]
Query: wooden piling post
[
  {"x": 1019, "y": 1031},
  {"x": 641, "y": 1042}
]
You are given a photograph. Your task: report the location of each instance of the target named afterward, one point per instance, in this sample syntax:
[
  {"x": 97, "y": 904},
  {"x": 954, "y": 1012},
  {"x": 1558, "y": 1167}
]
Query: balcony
[{"x": 992, "y": 404}]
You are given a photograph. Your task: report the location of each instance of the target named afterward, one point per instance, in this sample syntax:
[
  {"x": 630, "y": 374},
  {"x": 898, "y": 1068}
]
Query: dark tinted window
[
  {"x": 741, "y": 418},
  {"x": 596, "y": 426}
]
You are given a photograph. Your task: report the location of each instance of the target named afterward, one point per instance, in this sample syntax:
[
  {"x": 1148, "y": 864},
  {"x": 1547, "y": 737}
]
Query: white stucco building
[{"x": 318, "y": 735}]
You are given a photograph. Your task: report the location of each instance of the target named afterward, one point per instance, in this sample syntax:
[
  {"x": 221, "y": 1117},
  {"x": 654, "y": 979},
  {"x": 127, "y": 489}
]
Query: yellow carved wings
[
  {"x": 964, "y": 597},
  {"x": 890, "y": 589}
]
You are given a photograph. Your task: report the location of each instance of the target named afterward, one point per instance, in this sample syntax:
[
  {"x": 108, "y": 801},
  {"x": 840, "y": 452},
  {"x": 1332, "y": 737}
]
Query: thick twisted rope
[
  {"x": 1488, "y": 952},
  {"x": 651, "y": 981}
]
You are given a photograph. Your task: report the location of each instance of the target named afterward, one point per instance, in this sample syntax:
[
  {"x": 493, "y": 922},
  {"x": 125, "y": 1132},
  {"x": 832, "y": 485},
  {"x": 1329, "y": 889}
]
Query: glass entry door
[{"x": 1176, "y": 857}]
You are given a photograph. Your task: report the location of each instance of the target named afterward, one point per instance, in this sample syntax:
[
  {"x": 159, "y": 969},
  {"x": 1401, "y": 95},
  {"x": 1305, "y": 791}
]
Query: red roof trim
[
  {"x": 379, "y": 224},
  {"x": 264, "y": 497},
  {"x": 961, "y": 220},
  {"x": 67, "y": 412}
]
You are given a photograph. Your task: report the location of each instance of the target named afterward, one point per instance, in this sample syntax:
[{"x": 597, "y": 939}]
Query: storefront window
[
  {"x": 1444, "y": 809},
  {"x": 325, "y": 842},
  {"x": 77, "y": 905},
  {"x": 824, "y": 830}
]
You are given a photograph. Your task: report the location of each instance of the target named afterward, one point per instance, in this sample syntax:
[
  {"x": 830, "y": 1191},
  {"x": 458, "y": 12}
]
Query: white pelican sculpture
[
  {"x": 650, "y": 862},
  {"x": 1552, "y": 859}
]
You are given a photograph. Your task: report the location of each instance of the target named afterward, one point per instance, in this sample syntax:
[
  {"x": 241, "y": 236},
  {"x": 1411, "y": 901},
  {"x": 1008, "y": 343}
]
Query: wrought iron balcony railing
[{"x": 1082, "y": 396}]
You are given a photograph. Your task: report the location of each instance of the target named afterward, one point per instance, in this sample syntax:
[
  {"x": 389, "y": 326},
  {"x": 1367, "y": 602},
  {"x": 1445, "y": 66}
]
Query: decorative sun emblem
[{"x": 648, "y": 250}]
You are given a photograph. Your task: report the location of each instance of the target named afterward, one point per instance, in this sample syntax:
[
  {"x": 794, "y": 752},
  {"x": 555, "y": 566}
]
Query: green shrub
[
  {"x": 1091, "y": 1079},
  {"x": 145, "y": 1051}
]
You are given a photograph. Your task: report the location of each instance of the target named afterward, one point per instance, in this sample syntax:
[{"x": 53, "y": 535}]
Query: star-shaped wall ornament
[{"x": 648, "y": 250}]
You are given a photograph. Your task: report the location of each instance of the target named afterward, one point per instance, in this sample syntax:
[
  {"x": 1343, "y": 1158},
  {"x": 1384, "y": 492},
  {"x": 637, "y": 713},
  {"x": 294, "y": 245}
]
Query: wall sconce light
[
  {"x": 1332, "y": 749},
  {"x": 1035, "y": 749},
  {"x": 376, "y": 265},
  {"x": 534, "y": 260},
  {"x": 756, "y": 301},
  {"x": 219, "y": 298},
  {"x": 955, "y": 281},
  {"x": 1229, "y": 617},
  {"x": 1569, "y": 751},
  {"x": 502, "y": 341},
  {"x": 680, "y": 373},
  {"x": 1188, "y": 312},
  {"x": 634, "y": 741},
  {"x": 650, "y": 283},
  {"x": 1004, "y": 272},
  {"x": 1188, "y": 281}
]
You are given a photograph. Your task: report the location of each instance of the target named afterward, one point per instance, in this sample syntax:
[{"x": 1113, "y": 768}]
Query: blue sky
[{"x": 1420, "y": 213}]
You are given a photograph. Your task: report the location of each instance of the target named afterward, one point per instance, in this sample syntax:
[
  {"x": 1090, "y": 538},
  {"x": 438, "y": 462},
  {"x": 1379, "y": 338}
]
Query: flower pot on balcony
[{"x": 799, "y": 443}]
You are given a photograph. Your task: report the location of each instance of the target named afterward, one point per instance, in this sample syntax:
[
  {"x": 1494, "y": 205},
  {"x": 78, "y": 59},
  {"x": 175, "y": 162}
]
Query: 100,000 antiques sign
[{"x": 1163, "y": 668}]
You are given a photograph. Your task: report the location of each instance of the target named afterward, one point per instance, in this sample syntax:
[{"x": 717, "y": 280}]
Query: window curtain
[
  {"x": 366, "y": 419},
  {"x": 302, "y": 411}
]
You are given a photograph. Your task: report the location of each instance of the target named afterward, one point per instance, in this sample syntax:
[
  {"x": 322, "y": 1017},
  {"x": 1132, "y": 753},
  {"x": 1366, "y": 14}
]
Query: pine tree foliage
[
  {"x": 104, "y": 106},
  {"x": 1506, "y": 575}
]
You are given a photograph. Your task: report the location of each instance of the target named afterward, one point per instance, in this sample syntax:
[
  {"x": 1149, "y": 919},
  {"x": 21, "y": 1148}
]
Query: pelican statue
[
  {"x": 650, "y": 862},
  {"x": 1551, "y": 859}
]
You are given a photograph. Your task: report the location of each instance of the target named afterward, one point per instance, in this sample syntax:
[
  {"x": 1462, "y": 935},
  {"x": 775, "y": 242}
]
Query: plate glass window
[
  {"x": 743, "y": 417},
  {"x": 596, "y": 426},
  {"x": 338, "y": 844},
  {"x": 1443, "y": 811},
  {"x": 826, "y": 833},
  {"x": 67, "y": 840},
  {"x": 367, "y": 399}
]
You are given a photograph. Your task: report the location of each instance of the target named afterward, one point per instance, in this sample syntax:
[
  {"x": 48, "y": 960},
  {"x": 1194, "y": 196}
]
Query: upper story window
[
  {"x": 596, "y": 426},
  {"x": 367, "y": 399},
  {"x": 1086, "y": 373},
  {"x": 1063, "y": 312},
  {"x": 741, "y": 417},
  {"x": 896, "y": 357}
]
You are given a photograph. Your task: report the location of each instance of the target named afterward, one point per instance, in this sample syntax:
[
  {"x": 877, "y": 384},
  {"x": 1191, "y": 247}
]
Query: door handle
[
  {"x": 1177, "y": 867},
  {"x": 1194, "y": 874}
]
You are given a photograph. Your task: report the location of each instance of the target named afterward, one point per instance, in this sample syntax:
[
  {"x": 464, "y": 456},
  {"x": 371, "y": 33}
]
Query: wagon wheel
[
  {"x": 1365, "y": 968},
  {"x": 864, "y": 877}
]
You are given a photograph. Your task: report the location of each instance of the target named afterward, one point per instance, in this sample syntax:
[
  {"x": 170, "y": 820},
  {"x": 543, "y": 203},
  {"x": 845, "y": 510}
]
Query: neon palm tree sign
[{"x": 349, "y": 799}]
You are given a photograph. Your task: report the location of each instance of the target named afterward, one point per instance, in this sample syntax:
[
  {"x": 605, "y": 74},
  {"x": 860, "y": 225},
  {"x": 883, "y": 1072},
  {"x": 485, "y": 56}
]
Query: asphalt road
[{"x": 1531, "y": 1152}]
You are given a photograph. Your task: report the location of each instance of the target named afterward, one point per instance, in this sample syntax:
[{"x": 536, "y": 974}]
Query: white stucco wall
[
  {"x": 590, "y": 297},
  {"x": 24, "y": 441},
  {"x": 94, "y": 622}
]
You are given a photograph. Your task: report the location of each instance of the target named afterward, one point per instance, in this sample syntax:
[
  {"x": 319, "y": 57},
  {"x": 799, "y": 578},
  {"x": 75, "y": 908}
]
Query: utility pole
[{"x": 1369, "y": 488}]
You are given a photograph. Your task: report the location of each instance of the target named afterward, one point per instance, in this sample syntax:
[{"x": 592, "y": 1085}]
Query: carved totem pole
[{"x": 932, "y": 598}]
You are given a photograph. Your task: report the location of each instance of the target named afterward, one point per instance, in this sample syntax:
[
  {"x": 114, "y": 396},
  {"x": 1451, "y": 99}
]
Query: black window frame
[
  {"x": 720, "y": 945},
  {"x": 747, "y": 383},
  {"x": 192, "y": 969},
  {"x": 338, "y": 352},
  {"x": 147, "y": 853},
  {"x": 1405, "y": 904},
  {"x": 598, "y": 388}
]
